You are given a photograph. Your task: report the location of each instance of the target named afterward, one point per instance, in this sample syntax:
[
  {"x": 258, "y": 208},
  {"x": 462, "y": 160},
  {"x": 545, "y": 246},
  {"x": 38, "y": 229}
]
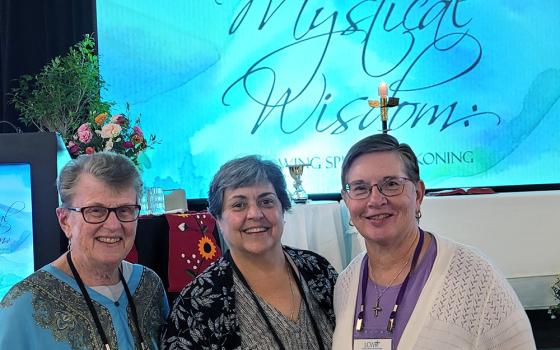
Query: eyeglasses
[
  {"x": 389, "y": 187},
  {"x": 98, "y": 214}
]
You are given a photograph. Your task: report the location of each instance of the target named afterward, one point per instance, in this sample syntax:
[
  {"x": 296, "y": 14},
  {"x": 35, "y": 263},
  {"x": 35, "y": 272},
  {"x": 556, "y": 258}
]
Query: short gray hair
[
  {"x": 382, "y": 143},
  {"x": 115, "y": 170},
  {"x": 243, "y": 172}
]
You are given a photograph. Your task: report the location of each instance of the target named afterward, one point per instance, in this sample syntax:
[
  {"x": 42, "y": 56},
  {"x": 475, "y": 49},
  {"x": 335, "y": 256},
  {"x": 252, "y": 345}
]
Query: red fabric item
[
  {"x": 462, "y": 191},
  {"x": 132, "y": 256},
  {"x": 480, "y": 190},
  {"x": 192, "y": 247}
]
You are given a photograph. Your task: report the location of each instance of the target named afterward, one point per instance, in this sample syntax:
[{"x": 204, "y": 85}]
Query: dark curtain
[{"x": 32, "y": 32}]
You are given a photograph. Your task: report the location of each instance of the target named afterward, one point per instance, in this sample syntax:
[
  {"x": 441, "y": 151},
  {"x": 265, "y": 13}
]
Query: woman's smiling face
[
  {"x": 380, "y": 218},
  {"x": 252, "y": 219},
  {"x": 102, "y": 245}
]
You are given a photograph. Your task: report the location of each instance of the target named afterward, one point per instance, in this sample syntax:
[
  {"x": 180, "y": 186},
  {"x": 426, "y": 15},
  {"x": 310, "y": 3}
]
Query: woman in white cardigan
[{"x": 413, "y": 289}]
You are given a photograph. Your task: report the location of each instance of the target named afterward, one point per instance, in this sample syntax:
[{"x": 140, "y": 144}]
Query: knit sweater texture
[{"x": 465, "y": 304}]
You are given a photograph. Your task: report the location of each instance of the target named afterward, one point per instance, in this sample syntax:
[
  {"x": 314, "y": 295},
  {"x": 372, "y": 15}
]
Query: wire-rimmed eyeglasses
[
  {"x": 97, "y": 214},
  {"x": 389, "y": 187}
]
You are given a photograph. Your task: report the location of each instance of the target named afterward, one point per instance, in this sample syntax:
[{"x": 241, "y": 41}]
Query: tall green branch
[{"x": 65, "y": 93}]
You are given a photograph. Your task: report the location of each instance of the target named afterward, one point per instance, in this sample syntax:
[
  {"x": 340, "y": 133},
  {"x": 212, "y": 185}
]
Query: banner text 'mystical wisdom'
[{"x": 320, "y": 27}]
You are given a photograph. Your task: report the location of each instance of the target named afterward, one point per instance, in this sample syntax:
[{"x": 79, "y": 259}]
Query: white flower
[
  {"x": 110, "y": 130},
  {"x": 108, "y": 145}
]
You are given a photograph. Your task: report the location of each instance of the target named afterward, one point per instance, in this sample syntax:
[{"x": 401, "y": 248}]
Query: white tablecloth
[{"x": 316, "y": 226}]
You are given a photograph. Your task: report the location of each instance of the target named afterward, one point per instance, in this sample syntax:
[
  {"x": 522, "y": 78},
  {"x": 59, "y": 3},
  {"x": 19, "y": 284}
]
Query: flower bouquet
[{"x": 116, "y": 134}]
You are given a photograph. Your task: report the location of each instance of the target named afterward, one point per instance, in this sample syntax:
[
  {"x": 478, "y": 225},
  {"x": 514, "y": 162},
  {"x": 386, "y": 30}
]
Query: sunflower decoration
[{"x": 206, "y": 248}]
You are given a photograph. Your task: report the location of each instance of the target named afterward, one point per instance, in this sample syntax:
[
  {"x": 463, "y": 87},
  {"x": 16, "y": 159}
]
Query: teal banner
[{"x": 478, "y": 83}]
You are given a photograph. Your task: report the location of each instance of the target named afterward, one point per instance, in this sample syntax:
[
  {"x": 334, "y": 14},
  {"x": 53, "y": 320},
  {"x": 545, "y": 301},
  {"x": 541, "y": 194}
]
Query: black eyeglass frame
[
  {"x": 379, "y": 186},
  {"x": 109, "y": 210}
]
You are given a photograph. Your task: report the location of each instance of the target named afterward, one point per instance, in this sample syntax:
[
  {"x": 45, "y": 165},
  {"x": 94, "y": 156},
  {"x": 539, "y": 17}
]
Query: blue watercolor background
[
  {"x": 177, "y": 64},
  {"x": 16, "y": 225}
]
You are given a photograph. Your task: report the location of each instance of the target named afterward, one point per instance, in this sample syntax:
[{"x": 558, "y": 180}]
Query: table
[
  {"x": 517, "y": 231},
  {"x": 316, "y": 226}
]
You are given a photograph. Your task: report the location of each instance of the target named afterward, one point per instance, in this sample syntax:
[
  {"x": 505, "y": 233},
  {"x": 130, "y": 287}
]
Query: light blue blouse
[{"x": 47, "y": 311}]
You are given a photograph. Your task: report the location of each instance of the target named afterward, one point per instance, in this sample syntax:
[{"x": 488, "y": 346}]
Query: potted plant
[
  {"x": 64, "y": 93},
  {"x": 65, "y": 98}
]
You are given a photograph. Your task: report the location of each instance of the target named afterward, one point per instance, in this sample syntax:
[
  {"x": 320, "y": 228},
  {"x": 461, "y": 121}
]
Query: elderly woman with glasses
[
  {"x": 259, "y": 295},
  {"x": 90, "y": 298},
  {"x": 413, "y": 289}
]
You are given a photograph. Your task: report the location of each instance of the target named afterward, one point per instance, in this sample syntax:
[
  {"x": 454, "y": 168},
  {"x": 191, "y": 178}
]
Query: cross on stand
[{"x": 384, "y": 103}]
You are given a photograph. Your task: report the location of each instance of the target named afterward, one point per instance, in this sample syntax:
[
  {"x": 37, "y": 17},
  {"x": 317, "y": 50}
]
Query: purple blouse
[{"x": 376, "y": 327}]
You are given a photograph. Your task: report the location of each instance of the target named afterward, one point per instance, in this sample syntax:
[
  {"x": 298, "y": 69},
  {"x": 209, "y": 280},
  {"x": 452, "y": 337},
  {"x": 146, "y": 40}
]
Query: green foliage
[{"x": 65, "y": 93}]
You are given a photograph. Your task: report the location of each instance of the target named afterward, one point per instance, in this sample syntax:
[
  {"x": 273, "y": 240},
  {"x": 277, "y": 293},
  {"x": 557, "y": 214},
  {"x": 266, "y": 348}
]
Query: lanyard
[
  {"x": 263, "y": 314},
  {"x": 402, "y": 289},
  {"x": 92, "y": 309}
]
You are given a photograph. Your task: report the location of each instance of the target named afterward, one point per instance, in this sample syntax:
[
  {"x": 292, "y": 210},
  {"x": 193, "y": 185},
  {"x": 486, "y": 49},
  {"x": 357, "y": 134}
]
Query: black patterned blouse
[{"x": 204, "y": 315}]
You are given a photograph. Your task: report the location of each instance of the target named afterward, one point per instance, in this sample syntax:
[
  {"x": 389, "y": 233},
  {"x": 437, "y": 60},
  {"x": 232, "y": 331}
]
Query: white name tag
[{"x": 372, "y": 344}]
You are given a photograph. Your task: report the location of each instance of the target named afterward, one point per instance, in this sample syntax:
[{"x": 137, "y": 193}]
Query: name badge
[{"x": 372, "y": 344}]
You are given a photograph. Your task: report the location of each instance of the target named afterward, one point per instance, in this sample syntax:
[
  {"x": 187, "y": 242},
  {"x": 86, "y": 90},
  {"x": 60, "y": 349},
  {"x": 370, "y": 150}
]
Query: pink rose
[
  {"x": 138, "y": 131},
  {"x": 119, "y": 119},
  {"x": 110, "y": 130},
  {"x": 84, "y": 133},
  {"x": 73, "y": 148},
  {"x": 90, "y": 150},
  {"x": 128, "y": 144}
]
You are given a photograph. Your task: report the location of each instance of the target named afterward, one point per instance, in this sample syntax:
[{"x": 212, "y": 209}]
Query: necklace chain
[
  {"x": 380, "y": 294},
  {"x": 377, "y": 308}
]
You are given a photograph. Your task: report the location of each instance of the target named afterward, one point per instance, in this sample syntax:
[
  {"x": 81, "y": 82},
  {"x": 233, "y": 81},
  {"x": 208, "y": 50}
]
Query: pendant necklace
[
  {"x": 402, "y": 289},
  {"x": 377, "y": 309}
]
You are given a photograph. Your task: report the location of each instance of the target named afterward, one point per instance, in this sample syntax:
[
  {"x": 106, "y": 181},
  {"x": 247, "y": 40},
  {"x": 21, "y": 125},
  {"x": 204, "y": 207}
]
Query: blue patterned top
[{"x": 47, "y": 311}]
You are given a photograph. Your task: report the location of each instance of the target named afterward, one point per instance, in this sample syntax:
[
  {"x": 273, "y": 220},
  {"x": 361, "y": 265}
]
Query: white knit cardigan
[{"x": 465, "y": 304}]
